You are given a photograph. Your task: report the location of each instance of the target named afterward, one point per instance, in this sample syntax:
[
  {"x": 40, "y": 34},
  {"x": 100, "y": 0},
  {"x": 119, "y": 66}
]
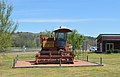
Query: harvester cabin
[
  {"x": 107, "y": 42},
  {"x": 61, "y": 38}
]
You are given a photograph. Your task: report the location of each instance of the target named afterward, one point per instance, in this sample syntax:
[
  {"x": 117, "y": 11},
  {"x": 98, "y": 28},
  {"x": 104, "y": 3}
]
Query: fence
[
  {"x": 27, "y": 49},
  {"x": 89, "y": 56}
]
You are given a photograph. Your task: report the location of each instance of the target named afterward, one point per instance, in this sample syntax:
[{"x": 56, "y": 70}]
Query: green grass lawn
[{"x": 111, "y": 67}]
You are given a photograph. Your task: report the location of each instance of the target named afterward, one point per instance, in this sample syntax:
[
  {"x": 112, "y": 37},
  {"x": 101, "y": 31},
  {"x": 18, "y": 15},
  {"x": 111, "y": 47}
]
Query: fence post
[
  {"x": 100, "y": 60},
  {"x": 17, "y": 57},
  {"x": 87, "y": 58},
  {"x": 60, "y": 62},
  {"x": 14, "y": 61}
]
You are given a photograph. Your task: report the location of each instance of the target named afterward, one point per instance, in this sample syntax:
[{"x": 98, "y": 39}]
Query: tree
[
  {"x": 26, "y": 39},
  {"x": 7, "y": 25},
  {"x": 48, "y": 33},
  {"x": 75, "y": 39}
]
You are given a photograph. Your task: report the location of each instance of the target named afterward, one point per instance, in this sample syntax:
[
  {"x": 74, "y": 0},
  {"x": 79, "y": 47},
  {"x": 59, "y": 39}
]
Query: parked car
[{"x": 92, "y": 48}]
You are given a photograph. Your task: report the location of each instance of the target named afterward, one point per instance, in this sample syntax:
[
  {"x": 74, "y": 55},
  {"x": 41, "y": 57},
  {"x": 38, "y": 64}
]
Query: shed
[{"x": 108, "y": 42}]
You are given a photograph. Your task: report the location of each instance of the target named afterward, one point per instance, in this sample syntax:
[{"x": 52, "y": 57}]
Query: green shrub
[
  {"x": 109, "y": 51},
  {"x": 116, "y": 51},
  {"x": 119, "y": 51},
  {"x": 113, "y": 51}
]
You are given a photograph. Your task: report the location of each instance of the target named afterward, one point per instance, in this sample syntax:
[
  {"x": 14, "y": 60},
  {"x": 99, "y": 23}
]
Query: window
[
  {"x": 109, "y": 46},
  {"x": 61, "y": 36}
]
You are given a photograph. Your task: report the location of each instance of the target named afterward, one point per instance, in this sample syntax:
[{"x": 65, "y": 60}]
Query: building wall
[
  {"x": 98, "y": 47},
  {"x": 98, "y": 44},
  {"x": 117, "y": 45},
  {"x": 108, "y": 38},
  {"x": 104, "y": 46}
]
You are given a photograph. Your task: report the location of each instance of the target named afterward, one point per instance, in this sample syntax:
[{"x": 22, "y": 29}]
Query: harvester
[{"x": 55, "y": 49}]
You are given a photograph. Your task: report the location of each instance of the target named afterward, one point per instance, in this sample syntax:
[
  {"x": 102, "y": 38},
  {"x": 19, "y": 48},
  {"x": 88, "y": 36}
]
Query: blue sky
[{"x": 88, "y": 17}]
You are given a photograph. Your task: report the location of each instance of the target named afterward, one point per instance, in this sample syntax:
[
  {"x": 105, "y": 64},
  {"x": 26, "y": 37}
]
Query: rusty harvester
[{"x": 55, "y": 49}]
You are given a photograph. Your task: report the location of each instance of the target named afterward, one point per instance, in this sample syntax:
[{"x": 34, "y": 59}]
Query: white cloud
[
  {"x": 66, "y": 20},
  {"x": 51, "y": 20}
]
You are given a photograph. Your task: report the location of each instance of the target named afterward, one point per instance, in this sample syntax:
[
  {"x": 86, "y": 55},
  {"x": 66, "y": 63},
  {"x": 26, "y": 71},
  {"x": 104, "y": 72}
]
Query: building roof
[
  {"x": 109, "y": 37},
  {"x": 109, "y": 34}
]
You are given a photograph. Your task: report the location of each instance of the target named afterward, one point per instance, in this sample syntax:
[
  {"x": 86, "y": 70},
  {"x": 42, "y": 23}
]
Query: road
[{"x": 34, "y": 52}]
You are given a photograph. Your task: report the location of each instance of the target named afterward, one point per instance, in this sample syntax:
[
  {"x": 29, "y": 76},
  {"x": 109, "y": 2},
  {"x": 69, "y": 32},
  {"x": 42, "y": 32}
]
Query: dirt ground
[{"x": 31, "y": 64}]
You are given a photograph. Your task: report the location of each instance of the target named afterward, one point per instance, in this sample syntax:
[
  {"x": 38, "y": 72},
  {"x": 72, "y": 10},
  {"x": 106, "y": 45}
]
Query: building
[{"x": 108, "y": 42}]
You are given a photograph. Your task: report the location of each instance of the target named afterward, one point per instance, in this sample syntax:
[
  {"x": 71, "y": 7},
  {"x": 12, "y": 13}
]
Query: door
[{"x": 109, "y": 46}]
